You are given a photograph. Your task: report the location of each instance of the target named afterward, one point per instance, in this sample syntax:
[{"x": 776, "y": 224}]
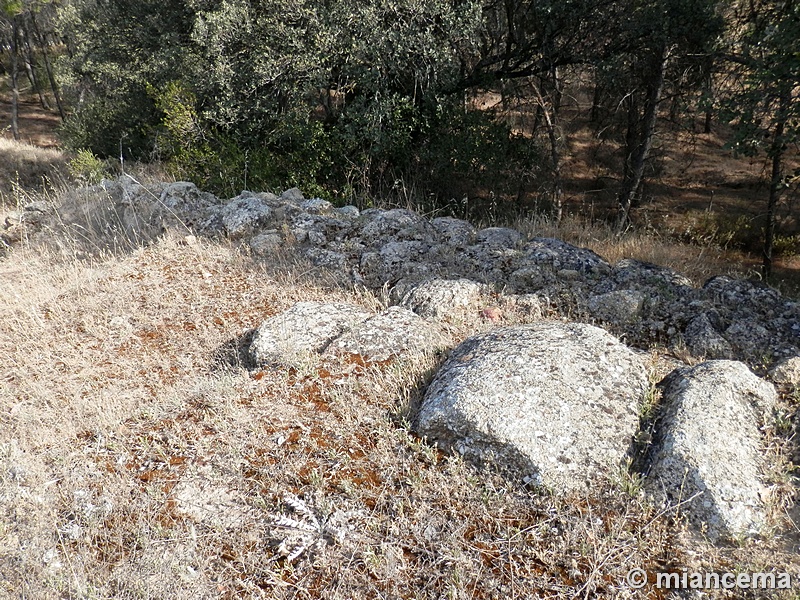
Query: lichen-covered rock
[
  {"x": 307, "y": 327},
  {"x": 455, "y": 232},
  {"x": 619, "y": 307},
  {"x": 266, "y": 242},
  {"x": 553, "y": 403},
  {"x": 749, "y": 340},
  {"x": 499, "y": 238},
  {"x": 559, "y": 256},
  {"x": 183, "y": 202},
  {"x": 443, "y": 299},
  {"x": 707, "y": 447},
  {"x": 347, "y": 212},
  {"x": 244, "y": 216},
  {"x": 637, "y": 274},
  {"x": 316, "y": 206},
  {"x": 292, "y": 195},
  {"x": 395, "y": 332},
  {"x": 704, "y": 340},
  {"x": 328, "y": 259},
  {"x": 531, "y": 279},
  {"x": 786, "y": 372},
  {"x": 397, "y": 224}
]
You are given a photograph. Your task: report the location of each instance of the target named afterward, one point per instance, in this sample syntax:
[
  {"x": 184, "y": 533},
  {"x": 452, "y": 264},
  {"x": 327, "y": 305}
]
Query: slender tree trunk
[
  {"x": 30, "y": 67},
  {"x": 776, "y": 181},
  {"x": 638, "y": 158},
  {"x": 709, "y": 93},
  {"x": 597, "y": 99},
  {"x": 14, "y": 79},
  {"x": 53, "y": 85},
  {"x": 550, "y": 117}
]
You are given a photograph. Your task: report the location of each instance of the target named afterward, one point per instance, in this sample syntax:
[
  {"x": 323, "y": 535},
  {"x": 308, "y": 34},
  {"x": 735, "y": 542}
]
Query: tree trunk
[
  {"x": 709, "y": 93},
  {"x": 641, "y": 152},
  {"x": 777, "y": 150},
  {"x": 30, "y": 67},
  {"x": 53, "y": 85},
  {"x": 550, "y": 117},
  {"x": 14, "y": 79},
  {"x": 597, "y": 100}
]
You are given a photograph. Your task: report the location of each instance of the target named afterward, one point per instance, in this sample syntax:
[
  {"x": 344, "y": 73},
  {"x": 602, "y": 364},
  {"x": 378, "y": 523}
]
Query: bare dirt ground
[{"x": 37, "y": 126}]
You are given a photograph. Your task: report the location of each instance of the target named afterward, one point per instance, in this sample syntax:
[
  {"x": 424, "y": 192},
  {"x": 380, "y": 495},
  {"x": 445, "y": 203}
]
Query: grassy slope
[{"x": 138, "y": 459}]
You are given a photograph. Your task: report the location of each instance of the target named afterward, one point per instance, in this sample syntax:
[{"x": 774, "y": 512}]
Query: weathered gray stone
[
  {"x": 307, "y": 327},
  {"x": 786, "y": 372},
  {"x": 531, "y": 279},
  {"x": 443, "y": 299},
  {"x": 35, "y": 212},
  {"x": 266, "y": 243},
  {"x": 455, "y": 232},
  {"x": 530, "y": 305},
  {"x": 554, "y": 403},
  {"x": 619, "y": 307},
  {"x": 637, "y": 274},
  {"x": 395, "y": 332},
  {"x": 707, "y": 447},
  {"x": 394, "y": 225},
  {"x": 292, "y": 195},
  {"x": 498, "y": 237},
  {"x": 244, "y": 216},
  {"x": 704, "y": 340},
  {"x": 559, "y": 256},
  {"x": 347, "y": 212},
  {"x": 749, "y": 339},
  {"x": 321, "y": 257},
  {"x": 316, "y": 206},
  {"x": 396, "y": 253},
  {"x": 181, "y": 203}
]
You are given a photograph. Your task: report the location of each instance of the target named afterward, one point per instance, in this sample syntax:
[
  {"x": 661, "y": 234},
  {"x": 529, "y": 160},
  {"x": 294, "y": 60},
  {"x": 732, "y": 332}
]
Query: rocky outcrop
[
  {"x": 707, "y": 454},
  {"x": 309, "y": 329},
  {"x": 550, "y": 402},
  {"x": 394, "y": 332},
  {"x": 786, "y": 373},
  {"x": 648, "y": 304},
  {"x": 442, "y": 299},
  {"x": 555, "y": 404}
]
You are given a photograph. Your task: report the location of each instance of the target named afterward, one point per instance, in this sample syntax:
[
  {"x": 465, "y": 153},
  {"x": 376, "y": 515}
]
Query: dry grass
[
  {"x": 697, "y": 262},
  {"x": 24, "y": 167},
  {"x": 140, "y": 458}
]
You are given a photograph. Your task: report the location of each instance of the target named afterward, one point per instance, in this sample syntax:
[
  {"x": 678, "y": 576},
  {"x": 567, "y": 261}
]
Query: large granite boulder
[
  {"x": 553, "y": 403},
  {"x": 707, "y": 459},
  {"x": 306, "y": 328},
  {"x": 310, "y": 329},
  {"x": 396, "y": 331}
]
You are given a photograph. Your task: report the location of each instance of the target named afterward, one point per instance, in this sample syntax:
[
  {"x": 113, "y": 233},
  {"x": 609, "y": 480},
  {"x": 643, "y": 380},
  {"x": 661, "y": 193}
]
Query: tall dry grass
[
  {"x": 140, "y": 457},
  {"x": 25, "y": 168}
]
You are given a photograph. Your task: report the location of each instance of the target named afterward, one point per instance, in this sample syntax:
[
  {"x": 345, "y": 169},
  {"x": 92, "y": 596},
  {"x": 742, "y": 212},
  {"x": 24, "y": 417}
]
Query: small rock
[{"x": 786, "y": 372}]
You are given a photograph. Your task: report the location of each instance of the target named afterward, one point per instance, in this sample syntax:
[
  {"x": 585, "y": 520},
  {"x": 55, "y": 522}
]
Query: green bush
[{"x": 87, "y": 168}]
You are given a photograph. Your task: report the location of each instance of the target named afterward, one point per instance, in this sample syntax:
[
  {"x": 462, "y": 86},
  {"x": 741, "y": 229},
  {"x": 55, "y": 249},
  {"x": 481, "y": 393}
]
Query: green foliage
[
  {"x": 769, "y": 60},
  {"x": 787, "y": 245},
  {"x": 87, "y": 168},
  {"x": 468, "y": 150},
  {"x": 117, "y": 50}
]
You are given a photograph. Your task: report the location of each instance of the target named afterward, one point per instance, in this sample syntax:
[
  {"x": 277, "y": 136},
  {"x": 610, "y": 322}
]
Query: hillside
[{"x": 145, "y": 455}]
